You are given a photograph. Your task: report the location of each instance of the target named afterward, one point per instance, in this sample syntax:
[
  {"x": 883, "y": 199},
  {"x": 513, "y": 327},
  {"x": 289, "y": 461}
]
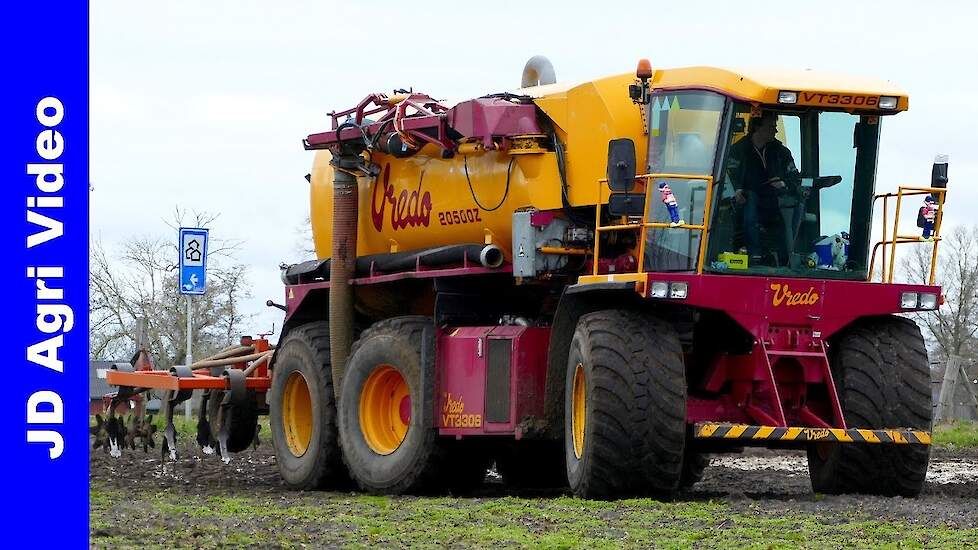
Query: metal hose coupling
[{"x": 491, "y": 256}]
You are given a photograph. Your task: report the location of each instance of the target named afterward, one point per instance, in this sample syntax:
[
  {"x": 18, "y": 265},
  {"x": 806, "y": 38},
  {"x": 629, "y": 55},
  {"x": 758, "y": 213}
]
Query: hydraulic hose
[{"x": 341, "y": 266}]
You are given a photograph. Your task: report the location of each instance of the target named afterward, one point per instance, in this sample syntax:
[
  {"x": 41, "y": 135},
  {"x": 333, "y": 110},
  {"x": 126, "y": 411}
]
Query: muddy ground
[{"x": 178, "y": 503}]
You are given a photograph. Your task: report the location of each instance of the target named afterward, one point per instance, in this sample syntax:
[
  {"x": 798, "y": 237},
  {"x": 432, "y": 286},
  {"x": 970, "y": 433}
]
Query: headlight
[
  {"x": 678, "y": 290},
  {"x": 660, "y": 289},
  {"x": 787, "y": 97},
  {"x": 888, "y": 102},
  {"x": 908, "y": 300},
  {"x": 927, "y": 300}
]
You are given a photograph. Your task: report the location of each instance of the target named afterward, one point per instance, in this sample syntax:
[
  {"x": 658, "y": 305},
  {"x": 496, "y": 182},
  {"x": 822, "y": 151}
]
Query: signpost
[{"x": 193, "y": 278}]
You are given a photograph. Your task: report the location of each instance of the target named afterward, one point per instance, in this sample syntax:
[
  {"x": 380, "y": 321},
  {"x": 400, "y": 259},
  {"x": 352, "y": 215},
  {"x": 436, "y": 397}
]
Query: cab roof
[{"x": 817, "y": 88}]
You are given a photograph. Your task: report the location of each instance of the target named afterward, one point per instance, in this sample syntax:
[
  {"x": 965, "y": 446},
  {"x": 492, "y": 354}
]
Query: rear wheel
[
  {"x": 302, "y": 411},
  {"x": 625, "y": 406},
  {"x": 389, "y": 441},
  {"x": 883, "y": 379}
]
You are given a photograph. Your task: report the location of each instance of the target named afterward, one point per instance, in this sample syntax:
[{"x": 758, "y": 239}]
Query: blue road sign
[{"x": 193, "y": 260}]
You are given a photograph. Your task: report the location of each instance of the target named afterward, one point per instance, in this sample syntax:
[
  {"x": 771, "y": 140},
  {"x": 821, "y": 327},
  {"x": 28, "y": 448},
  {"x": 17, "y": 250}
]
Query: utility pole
[{"x": 190, "y": 353}]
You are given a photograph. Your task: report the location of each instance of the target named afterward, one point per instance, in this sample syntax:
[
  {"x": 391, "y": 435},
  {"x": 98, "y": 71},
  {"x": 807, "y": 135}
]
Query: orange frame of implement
[
  {"x": 163, "y": 380},
  {"x": 202, "y": 378}
]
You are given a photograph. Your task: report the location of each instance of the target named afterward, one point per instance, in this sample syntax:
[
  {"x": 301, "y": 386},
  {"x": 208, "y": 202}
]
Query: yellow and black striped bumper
[{"x": 744, "y": 432}]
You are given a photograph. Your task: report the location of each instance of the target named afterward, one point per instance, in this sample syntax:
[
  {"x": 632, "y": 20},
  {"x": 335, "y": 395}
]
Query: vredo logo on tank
[
  {"x": 784, "y": 296},
  {"x": 408, "y": 209},
  {"x": 412, "y": 209}
]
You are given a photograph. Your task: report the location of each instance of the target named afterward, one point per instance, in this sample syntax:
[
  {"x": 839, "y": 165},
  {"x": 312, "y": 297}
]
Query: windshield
[
  {"x": 684, "y": 128},
  {"x": 794, "y": 196}
]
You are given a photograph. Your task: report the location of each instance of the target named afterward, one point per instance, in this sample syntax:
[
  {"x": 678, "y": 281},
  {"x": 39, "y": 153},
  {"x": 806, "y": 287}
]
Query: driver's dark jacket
[{"x": 747, "y": 171}]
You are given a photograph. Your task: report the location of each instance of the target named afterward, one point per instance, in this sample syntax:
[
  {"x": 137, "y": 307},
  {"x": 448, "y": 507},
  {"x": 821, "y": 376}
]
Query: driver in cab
[{"x": 761, "y": 171}]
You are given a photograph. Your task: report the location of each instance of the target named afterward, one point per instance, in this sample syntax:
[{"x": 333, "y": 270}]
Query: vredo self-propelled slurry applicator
[{"x": 599, "y": 284}]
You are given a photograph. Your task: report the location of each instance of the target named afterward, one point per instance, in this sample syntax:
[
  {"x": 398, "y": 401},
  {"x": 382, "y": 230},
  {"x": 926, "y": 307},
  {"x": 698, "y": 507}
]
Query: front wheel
[
  {"x": 625, "y": 406},
  {"x": 883, "y": 379}
]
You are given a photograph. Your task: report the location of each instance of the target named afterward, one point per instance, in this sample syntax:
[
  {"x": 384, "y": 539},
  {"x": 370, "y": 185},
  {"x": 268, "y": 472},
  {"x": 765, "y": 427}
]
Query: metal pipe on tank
[
  {"x": 538, "y": 71},
  {"x": 342, "y": 265}
]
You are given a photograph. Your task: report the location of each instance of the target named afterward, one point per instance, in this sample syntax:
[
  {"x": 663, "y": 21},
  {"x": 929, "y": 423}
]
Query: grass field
[
  {"x": 963, "y": 435},
  {"x": 200, "y": 503},
  {"x": 318, "y": 519}
]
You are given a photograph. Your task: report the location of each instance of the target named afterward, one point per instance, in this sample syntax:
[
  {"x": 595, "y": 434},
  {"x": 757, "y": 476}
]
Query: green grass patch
[
  {"x": 957, "y": 434},
  {"x": 178, "y": 520}
]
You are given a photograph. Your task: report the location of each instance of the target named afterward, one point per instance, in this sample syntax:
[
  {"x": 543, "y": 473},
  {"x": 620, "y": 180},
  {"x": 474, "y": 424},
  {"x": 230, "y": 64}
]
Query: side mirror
[
  {"x": 938, "y": 173},
  {"x": 621, "y": 164},
  {"x": 626, "y": 204}
]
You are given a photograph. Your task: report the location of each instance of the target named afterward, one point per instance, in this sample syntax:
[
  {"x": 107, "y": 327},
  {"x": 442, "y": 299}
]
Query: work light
[
  {"x": 888, "y": 102},
  {"x": 787, "y": 97}
]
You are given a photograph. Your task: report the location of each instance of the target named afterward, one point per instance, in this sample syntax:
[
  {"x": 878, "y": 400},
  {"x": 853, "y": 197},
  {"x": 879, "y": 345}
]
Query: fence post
[{"x": 945, "y": 403}]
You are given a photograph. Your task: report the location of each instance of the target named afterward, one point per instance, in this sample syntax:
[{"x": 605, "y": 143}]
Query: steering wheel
[{"x": 822, "y": 182}]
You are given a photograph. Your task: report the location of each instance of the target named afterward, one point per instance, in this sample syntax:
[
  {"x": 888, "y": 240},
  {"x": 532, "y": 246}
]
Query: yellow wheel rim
[
  {"x": 578, "y": 415},
  {"x": 297, "y": 414},
  {"x": 385, "y": 409}
]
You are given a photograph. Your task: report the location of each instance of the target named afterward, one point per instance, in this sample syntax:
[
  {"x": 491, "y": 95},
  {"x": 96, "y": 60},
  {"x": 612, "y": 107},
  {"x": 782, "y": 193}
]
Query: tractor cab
[
  {"x": 794, "y": 191},
  {"x": 776, "y": 171}
]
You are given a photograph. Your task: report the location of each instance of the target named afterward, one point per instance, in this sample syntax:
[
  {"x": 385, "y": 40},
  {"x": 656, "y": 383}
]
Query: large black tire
[
  {"x": 244, "y": 420},
  {"x": 533, "y": 464},
  {"x": 882, "y": 375},
  {"x": 634, "y": 429},
  {"x": 694, "y": 463},
  {"x": 307, "y": 458},
  {"x": 417, "y": 463}
]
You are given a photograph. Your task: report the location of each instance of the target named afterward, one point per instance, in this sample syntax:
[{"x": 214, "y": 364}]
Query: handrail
[
  {"x": 887, "y": 269},
  {"x": 645, "y": 225}
]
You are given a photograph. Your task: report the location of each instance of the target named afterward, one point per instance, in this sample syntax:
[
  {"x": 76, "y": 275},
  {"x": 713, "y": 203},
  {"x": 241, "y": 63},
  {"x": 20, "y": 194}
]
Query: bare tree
[
  {"x": 140, "y": 281},
  {"x": 952, "y": 327},
  {"x": 304, "y": 245}
]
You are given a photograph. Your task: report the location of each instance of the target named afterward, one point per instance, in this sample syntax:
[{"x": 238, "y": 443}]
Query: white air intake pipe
[{"x": 538, "y": 71}]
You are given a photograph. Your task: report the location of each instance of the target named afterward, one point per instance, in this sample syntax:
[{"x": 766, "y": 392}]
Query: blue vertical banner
[{"x": 44, "y": 166}]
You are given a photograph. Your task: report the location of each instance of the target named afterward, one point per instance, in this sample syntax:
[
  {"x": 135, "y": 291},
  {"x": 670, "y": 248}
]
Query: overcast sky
[{"x": 203, "y": 104}]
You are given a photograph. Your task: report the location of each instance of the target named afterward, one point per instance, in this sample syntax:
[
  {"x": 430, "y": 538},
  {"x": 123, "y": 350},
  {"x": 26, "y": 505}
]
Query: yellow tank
[
  {"x": 403, "y": 211},
  {"x": 425, "y": 201}
]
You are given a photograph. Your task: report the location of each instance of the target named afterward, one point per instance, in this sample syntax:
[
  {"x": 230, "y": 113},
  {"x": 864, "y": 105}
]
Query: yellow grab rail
[
  {"x": 645, "y": 225},
  {"x": 887, "y": 269}
]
